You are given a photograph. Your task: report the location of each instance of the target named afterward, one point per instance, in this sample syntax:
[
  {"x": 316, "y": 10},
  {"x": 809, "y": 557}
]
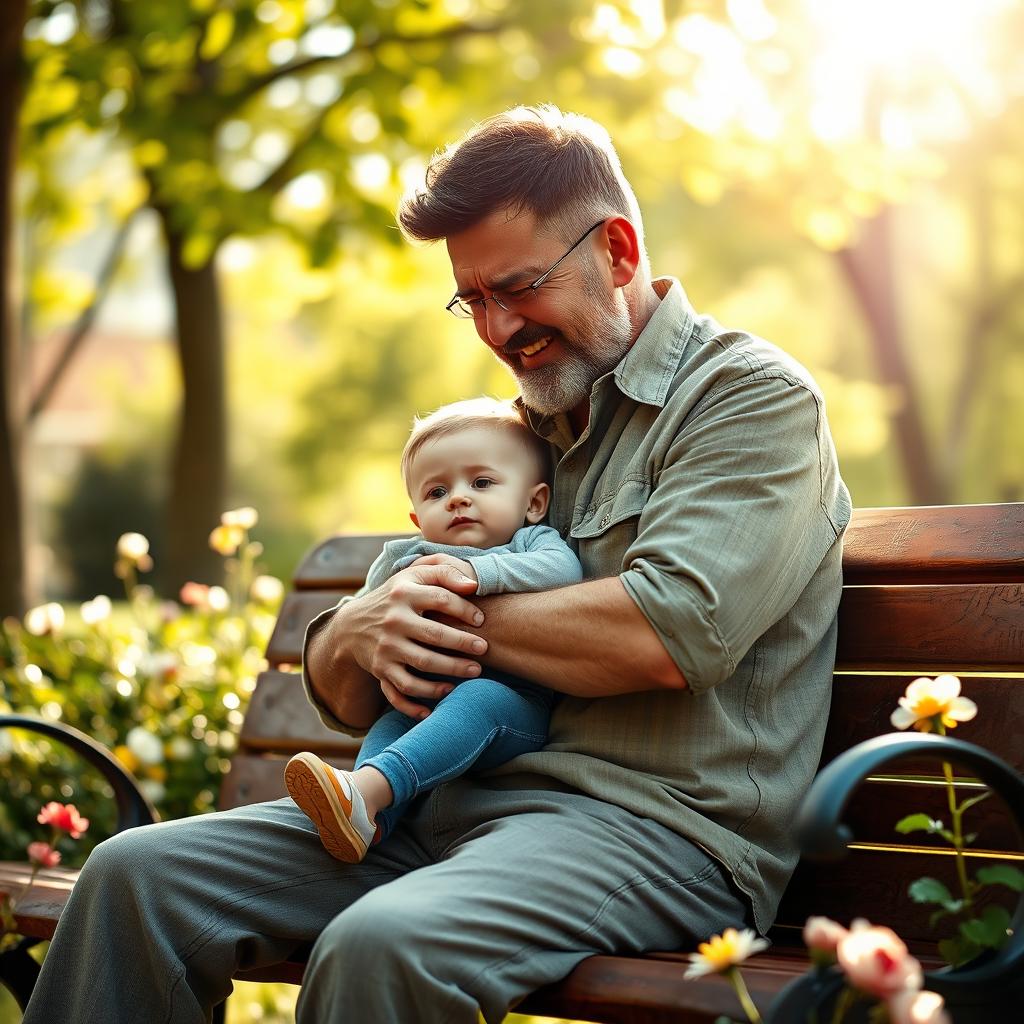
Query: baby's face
[{"x": 475, "y": 487}]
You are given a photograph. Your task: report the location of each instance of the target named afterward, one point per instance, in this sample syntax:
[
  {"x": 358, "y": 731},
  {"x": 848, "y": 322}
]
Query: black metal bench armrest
[
  {"x": 133, "y": 809},
  {"x": 823, "y": 836}
]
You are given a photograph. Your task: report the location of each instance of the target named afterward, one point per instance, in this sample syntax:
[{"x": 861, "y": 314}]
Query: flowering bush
[
  {"x": 63, "y": 819},
  {"x": 163, "y": 684}
]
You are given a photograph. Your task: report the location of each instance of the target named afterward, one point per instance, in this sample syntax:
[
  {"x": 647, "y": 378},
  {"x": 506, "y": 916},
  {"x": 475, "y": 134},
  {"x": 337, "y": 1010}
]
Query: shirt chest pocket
[{"x": 605, "y": 531}]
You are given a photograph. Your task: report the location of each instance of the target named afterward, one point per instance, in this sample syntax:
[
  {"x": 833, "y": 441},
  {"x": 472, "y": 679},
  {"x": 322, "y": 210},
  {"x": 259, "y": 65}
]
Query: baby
[{"x": 476, "y": 476}]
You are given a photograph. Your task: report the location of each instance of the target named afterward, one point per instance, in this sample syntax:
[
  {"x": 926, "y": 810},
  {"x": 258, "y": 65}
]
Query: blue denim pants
[{"x": 480, "y": 724}]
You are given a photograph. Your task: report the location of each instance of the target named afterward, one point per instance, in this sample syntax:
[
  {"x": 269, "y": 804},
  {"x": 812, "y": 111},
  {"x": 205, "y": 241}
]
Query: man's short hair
[
  {"x": 561, "y": 167},
  {"x": 475, "y": 412}
]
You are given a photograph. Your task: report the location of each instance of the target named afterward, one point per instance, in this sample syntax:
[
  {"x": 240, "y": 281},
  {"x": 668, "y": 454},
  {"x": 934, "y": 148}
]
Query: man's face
[
  {"x": 559, "y": 340},
  {"x": 476, "y": 486}
]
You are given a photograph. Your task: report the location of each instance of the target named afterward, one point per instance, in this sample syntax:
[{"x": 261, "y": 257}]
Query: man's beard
[{"x": 597, "y": 346}]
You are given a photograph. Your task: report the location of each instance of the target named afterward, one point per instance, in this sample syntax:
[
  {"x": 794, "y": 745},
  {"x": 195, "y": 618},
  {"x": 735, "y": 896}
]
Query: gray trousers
[{"x": 478, "y": 897}]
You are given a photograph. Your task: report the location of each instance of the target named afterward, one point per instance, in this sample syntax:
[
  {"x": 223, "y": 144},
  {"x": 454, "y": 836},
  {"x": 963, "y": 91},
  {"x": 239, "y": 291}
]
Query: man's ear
[
  {"x": 623, "y": 251},
  {"x": 415, "y": 520},
  {"x": 538, "y": 507}
]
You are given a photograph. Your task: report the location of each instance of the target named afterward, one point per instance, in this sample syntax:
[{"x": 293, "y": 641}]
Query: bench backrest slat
[
  {"x": 932, "y": 628},
  {"x": 940, "y": 543}
]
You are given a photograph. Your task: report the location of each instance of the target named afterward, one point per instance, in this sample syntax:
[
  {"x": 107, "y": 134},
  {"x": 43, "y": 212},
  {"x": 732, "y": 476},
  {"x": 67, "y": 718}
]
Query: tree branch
[
  {"x": 258, "y": 84},
  {"x": 83, "y": 324}
]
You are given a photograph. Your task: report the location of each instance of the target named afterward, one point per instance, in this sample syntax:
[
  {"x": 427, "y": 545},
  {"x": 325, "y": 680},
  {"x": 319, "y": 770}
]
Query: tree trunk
[
  {"x": 12, "y": 561},
  {"x": 199, "y": 460},
  {"x": 870, "y": 273}
]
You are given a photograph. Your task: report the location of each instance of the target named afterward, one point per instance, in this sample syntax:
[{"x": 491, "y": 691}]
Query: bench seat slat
[
  {"x": 41, "y": 905},
  {"x": 932, "y": 628}
]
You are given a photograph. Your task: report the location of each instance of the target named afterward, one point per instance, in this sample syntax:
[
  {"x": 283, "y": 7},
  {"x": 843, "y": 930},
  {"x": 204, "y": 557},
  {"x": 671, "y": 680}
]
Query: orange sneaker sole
[{"x": 314, "y": 787}]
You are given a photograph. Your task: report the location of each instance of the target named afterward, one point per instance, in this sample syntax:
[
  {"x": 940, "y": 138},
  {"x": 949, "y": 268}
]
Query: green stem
[
  {"x": 734, "y": 976},
  {"x": 846, "y": 999},
  {"x": 956, "y": 814}
]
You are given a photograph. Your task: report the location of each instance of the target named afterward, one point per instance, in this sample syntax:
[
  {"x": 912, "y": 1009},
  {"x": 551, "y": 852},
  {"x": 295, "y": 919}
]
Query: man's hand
[
  {"x": 463, "y": 565},
  {"x": 387, "y": 631}
]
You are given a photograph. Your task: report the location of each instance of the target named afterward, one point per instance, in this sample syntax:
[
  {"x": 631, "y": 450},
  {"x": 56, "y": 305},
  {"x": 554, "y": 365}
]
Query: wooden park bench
[{"x": 927, "y": 590}]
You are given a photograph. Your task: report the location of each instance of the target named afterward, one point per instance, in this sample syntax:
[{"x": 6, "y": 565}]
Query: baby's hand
[{"x": 461, "y": 564}]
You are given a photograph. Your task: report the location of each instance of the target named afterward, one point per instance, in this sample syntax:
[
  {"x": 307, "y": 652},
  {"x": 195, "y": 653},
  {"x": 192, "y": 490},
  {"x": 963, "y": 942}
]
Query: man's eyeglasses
[{"x": 476, "y": 309}]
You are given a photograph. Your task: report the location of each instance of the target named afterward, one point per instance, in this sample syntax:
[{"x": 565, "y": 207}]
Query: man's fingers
[
  {"x": 440, "y": 664},
  {"x": 400, "y": 702},
  {"x": 448, "y": 638},
  {"x": 438, "y": 599}
]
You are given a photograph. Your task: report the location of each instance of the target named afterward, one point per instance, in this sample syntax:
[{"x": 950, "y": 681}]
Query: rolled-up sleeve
[
  {"x": 738, "y": 521},
  {"x": 314, "y": 627}
]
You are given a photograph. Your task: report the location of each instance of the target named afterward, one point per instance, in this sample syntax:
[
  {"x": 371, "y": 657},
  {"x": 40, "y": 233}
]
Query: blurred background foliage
[{"x": 214, "y": 183}]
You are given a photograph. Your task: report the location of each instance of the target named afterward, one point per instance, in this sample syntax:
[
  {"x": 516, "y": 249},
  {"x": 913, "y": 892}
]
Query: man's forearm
[
  {"x": 588, "y": 640},
  {"x": 342, "y": 687}
]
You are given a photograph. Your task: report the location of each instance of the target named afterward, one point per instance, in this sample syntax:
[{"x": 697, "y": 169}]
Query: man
[{"x": 697, "y": 480}]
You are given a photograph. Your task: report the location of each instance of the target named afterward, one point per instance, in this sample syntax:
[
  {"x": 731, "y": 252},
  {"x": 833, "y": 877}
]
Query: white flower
[
  {"x": 218, "y": 600},
  {"x": 721, "y": 952},
  {"x": 918, "y": 1008},
  {"x": 267, "y": 589},
  {"x": 132, "y": 546},
  {"x": 45, "y": 618},
  {"x": 153, "y": 790},
  {"x": 245, "y": 517},
  {"x": 145, "y": 746},
  {"x": 927, "y": 699},
  {"x": 159, "y": 664},
  {"x": 179, "y": 749},
  {"x": 96, "y": 610}
]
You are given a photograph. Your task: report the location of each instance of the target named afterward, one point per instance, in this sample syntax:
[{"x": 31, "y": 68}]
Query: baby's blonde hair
[{"x": 469, "y": 413}]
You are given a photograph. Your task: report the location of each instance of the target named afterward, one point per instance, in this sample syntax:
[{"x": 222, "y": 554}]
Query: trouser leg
[
  {"x": 163, "y": 916},
  {"x": 526, "y": 885},
  {"x": 481, "y": 723}
]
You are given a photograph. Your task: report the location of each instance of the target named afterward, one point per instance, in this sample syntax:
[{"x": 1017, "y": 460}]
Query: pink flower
[
  {"x": 918, "y": 1008},
  {"x": 43, "y": 854},
  {"x": 822, "y": 934},
  {"x": 876, "y": 961},
  {"x": 64, "y": 817},
  {"x": 195, "y": 594}
]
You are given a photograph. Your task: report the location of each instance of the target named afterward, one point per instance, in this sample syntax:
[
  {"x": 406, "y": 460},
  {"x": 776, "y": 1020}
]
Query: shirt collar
[{"x": 645, "y": 372}]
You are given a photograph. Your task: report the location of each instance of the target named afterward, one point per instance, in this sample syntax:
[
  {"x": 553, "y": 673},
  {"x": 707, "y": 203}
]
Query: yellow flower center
[{"x": 721, "y": 951}]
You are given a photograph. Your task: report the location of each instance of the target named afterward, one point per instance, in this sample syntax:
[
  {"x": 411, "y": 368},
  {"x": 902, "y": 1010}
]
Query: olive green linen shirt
[{"x": 708, "y": 482}]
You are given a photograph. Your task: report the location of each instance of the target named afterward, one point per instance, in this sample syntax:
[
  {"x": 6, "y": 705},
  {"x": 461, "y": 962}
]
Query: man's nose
[{"x": 497, "y": 324}]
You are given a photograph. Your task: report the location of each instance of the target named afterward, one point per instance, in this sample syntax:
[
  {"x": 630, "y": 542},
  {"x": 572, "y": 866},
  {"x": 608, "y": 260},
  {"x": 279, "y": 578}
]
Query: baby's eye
[
  {"x": 436, "y": 492},
  {"x": 481, "y": 483}
]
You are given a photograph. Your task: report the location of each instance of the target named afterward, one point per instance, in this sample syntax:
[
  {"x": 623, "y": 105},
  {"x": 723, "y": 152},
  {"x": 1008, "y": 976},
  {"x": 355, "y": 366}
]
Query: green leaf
[
  {"x": 953, "y": 907},
  {"x": 917, "y": 823},
  {"x": 1002, "y": 874},
  {"x": 989, "y": 930},
  {"x": 958, "y": 950},
  {"x": 219, "y": 31},
  {"x": 975, "y": 800},
  {"x": 930, "y": 890}
]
